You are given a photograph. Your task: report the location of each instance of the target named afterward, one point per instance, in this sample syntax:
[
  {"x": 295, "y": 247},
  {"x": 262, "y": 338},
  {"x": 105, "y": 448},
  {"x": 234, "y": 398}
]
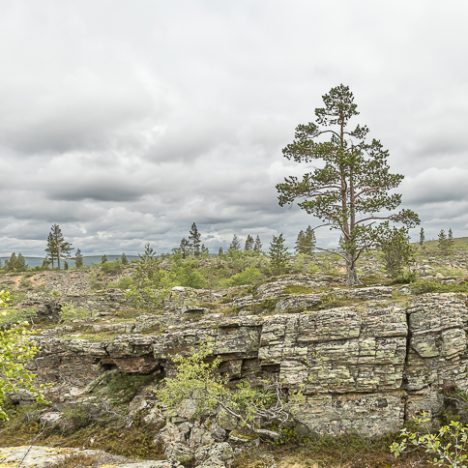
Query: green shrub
[
  {"x": 70, "y": 312},
  {"x": 124, "y": 283},
  {"x": 196, "y": 379},
  {"x": 16, "y": 351},
  {"x": 250, "y": 275},
  {"x": 147, "y": 298},
  {"x": 298, "y": 289},
  {"x": 446, "y": 447},
  {"x": 433, "y": 286},
  {"x": 111, "y": 267}
]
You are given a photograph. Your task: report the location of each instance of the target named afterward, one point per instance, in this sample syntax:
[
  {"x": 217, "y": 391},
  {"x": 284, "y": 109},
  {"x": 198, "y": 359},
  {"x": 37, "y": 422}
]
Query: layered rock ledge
[{"x": 366, "y": 367}]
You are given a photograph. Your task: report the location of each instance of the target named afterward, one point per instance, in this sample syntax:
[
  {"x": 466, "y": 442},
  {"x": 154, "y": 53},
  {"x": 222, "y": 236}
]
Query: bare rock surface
[
  {"x": 363, "y": 367},
  {"x": 43, "y": 457}
]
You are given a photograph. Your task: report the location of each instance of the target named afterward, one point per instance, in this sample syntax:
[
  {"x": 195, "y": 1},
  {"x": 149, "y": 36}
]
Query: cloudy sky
[{"x": 124, "y": 121}]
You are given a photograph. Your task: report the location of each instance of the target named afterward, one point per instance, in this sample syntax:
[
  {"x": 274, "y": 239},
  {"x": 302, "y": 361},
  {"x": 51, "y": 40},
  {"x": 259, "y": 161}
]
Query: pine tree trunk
[{"x": 351, "y": 272}]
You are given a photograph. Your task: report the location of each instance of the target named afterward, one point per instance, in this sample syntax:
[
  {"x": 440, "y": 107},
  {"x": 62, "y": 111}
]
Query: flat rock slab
[{"x": 43, "y": 457}]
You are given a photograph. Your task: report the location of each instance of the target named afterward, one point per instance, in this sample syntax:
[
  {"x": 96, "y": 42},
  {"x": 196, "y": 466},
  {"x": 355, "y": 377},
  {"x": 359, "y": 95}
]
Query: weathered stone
[
  {"x": 361, "y": 366},
  {"x": 43, "y": 457}
]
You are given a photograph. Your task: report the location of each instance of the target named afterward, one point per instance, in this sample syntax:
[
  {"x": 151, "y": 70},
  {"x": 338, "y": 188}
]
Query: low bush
[
  {"x": 251, "y": 276},
  {"x": 433, "y": 286}
]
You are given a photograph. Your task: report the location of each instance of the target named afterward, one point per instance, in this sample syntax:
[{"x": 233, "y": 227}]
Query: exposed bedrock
[{"x": 365, "y": 367}]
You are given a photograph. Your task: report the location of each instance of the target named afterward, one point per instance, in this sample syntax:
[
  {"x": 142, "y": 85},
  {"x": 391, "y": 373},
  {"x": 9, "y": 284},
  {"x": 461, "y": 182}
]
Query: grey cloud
[
  {"x": 98, "y": 190},
  {"x": 126, "y": 131}
]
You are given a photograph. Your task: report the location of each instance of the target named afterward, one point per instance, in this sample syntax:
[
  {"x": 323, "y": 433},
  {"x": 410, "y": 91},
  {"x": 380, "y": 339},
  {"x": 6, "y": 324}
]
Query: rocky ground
[{"x": 366, "y": 359}]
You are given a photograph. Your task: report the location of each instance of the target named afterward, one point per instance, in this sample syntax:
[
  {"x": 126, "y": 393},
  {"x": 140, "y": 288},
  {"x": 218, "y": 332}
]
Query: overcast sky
[{"x": 124, "y": 121}]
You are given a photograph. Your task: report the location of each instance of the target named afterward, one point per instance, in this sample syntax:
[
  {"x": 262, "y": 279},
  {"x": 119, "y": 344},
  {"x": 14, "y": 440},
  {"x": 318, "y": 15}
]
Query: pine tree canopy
[{"x": 351, "y": 188}]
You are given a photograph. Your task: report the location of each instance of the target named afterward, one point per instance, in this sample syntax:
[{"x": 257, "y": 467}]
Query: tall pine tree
[
  {"x": 450, "y": 241},
  {"x": 352, "y": 190},
  {"x": 194, "y": 239},
  {"x": 258, "y": 245},
  {"x": 78, "y": 259},
  {"x": 57, "y": 247},
  {"x": 442, "y": 243},
  {"x": 249, "y": 243},
  {"x": 278, "y": 254},
  {"x": 422, "y": 237},
  {"x": 235, "y": 245}
]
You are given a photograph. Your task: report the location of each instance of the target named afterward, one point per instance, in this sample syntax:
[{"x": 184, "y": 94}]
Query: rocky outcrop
[
  {"x": 365, "y": 367},
  {"x": 42, "y": 457}
]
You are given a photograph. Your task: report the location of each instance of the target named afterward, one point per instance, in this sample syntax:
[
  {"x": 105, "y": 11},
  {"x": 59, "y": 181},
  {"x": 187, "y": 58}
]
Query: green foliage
[
  {"x": 57, "y": 247},
  {"x": 187, "y": 273},
  {"x": 450, "y": 241},
  {"x": 123, "y": 259},
  {"x": 397, "y": 251},
  {"x": 16, "y": 350},
  {"x": 235, "y": 246},
  {"x": 298, "y": 289},
  {"x": 15, "y": 263},
  {"x": 258, "y": 245},
  {"x": 197, "y": 381},
  {"x": 147, "y": 298},
  {"x": 251, "y": 275},
  {"x": 119, "y": 388},
  {"x": 443, "y": 244},
  {"x": 124, "y": 283},
  {"x": 194, "y": 241},
  {"x": 112, "y": 268},
  {"x": 78, "y": 259},
  {"x": 146, "y": 268},
  {"x": 249, "y": 243},
  {"x": 433, "y": 286},
  {"x": 278, "y": 253},
  {"x": 352, "y": 188},
  {"x": 447, "y": 447},
  {"x": 302, "y": 263},
  {"x": 305, "y": 243},
  {"x": 422, "y": 237},
  {"x": 69, "y": 312},
  {"x": 17, "y": 315}
]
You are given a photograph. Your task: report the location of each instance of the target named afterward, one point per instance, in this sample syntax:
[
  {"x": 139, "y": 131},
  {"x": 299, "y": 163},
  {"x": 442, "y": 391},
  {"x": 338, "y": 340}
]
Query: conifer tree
[
  {"x": 299, "y": 242},
  {"x": 15, "y": 263},
  {"x": 398, "y": 253},
  {"x": 220, "y": 252},
  {"x": 65, "y": 265},
  {"x": 305, "y": 243},
  {"x": 278, "y": 254},
  {"x": 146, "y": 266},
  {"x": 20, "y": 263},
  {"x": 123, "y": 259},
  {"x": 57, "y": 247},
  {"x": 195, "y": 240},
  {"x": 422, "y": 237},
  {"x": 249, "y": 243},
  {"x": 104, "y": 259},
  {"x": 184, "y": 248},
  {"x": 204, "y": 251},
  {"x": 450, "y": 241},
  {"x": 78, "y": 259},
  {"x": 51, "y": 249},
  {"x": 442, "y": 242},
  {"x": 10, "y": 264},
  {"x": 311, "y": 240},
  {"x": 352, "y": 190},
  {"x": 235, "y": 244},
  {"x": 258, "y": 245}
]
